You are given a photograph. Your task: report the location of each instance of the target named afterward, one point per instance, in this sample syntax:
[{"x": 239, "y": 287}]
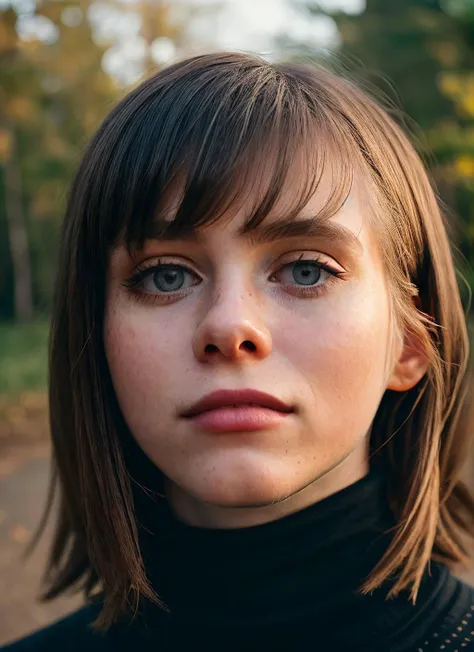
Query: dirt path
[{"x": 23, "y": 487}]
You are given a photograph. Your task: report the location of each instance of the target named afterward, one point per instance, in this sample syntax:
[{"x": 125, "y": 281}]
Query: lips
[{"x": 235, "y": 399}]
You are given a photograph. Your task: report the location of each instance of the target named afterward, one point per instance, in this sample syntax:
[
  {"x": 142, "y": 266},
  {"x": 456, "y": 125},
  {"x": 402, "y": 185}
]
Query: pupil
[
  {"x": 169, "y": 280},
  {"x": 306, "y": 273}
]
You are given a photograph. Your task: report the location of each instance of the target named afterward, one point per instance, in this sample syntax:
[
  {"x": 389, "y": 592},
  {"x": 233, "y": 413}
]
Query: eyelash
[{"x": 133, "y": 283}]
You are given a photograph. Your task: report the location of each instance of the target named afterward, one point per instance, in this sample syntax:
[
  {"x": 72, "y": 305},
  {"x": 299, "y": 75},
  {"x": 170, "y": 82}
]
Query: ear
[{"x": 411, "y": 364}]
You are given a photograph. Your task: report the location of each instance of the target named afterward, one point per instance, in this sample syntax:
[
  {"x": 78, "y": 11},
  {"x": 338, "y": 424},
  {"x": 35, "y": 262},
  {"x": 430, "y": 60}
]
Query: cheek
[
  {"x": 341, "y": 351},
  {"x": 141, "y": 354}
]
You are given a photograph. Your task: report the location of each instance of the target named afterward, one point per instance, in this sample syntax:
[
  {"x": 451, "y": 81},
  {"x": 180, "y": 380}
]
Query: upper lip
[{"x": 231, "y": 398}]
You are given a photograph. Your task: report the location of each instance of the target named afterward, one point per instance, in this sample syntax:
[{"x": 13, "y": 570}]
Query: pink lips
[{"x": 244, "y": 410}]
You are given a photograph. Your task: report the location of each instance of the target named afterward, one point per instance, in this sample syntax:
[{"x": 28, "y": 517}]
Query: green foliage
[
  {"x": 23, "y": 356},
  {"x": 53, "y": 95},
  {"x": 420, "y": 55}
]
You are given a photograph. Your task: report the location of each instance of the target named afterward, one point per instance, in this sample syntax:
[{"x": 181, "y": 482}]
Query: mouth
[
  {"x": 235, "y": 399},
  {"x": 243, "y": 410}
]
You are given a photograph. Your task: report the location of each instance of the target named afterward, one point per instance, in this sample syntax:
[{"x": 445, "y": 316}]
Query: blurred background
[{"x": 65, "y": 63}]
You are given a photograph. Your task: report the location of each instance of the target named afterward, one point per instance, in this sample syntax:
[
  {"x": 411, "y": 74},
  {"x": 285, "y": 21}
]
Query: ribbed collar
[{"x": 287, "y": 583}]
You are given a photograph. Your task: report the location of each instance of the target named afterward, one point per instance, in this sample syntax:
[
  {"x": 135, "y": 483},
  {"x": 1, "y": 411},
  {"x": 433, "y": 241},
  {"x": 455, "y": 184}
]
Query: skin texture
[{"x": 330, "y": 355}]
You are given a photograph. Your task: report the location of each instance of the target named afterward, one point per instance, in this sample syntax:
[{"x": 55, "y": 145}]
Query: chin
[{"x": 244, "y": 488}]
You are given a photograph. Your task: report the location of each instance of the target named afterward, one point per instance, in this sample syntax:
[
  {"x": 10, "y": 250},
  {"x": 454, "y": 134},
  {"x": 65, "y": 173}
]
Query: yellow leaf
[
  {"x": 8, "y": 36},
  {"x": 467, "y": 104},
  {"x": 464, "y": 165},
  {"x": 5, "y": 145},
  {"x": 20, "y": 109},
  {"x": 450, "y": 84}
]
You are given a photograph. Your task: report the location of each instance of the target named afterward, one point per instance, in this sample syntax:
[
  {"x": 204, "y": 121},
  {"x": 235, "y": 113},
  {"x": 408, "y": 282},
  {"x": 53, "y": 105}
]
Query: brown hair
[{"x": 220, "y": 124}]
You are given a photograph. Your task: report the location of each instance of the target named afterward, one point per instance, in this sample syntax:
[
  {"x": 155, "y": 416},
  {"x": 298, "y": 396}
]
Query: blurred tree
[
  {"x": 54, "y": 92},
  {"x": 425, "y": 48},
  {"x": 13, "y": 108}
]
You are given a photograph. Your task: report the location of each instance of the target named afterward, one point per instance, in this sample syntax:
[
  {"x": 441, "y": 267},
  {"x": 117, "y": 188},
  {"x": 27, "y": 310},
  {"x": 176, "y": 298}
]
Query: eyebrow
[{"x": 310, "y": 227}]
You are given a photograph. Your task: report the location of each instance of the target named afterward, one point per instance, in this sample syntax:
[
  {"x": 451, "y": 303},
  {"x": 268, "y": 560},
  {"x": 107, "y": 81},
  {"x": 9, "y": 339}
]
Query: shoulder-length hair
[{"x": 215, "y": 124}]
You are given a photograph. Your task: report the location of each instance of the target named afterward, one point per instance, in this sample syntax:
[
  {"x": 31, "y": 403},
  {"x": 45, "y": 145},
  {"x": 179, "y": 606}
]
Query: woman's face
[{"x": 302, "y": 317}]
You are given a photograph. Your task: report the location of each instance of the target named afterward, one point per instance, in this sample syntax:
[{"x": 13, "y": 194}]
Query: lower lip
[{"x": 239, "y": 419}]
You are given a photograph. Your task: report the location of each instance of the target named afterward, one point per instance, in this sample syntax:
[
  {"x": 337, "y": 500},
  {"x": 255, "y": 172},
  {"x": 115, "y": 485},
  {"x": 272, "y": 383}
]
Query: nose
[{"x": 233, "y": 330}]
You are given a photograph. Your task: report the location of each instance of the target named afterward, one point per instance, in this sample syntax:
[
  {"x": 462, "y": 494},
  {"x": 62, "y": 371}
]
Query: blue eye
[
  {"x": 163, "y": 279},
  {"x": 168, "y": 278},
  {"x": 303, "y": 272}
]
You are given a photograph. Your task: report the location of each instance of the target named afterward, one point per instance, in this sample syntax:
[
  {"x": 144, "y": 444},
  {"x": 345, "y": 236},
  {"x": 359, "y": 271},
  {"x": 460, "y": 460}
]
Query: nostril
[{"x": 247, "y": 346}]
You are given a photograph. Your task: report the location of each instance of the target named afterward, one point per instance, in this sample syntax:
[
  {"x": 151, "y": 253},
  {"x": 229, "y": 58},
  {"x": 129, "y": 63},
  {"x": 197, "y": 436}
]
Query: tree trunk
[
  {"x": 147, "y": 8},
  {"x": 17, "y": 234}
]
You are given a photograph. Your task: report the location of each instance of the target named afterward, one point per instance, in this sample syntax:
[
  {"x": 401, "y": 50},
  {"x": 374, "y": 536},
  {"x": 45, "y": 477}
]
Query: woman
[{"x": 258, "y": 372}]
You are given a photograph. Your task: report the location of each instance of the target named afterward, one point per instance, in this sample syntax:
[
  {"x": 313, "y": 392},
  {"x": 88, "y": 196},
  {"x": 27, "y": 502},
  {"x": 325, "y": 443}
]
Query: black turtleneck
[{"x": 291, "y": 584}]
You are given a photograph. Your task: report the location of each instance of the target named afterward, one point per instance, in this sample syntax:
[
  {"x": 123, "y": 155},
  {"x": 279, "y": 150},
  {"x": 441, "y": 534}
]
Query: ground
[
  {"x": 22, "y": 497},
  {"x": 24, "y": 476}
]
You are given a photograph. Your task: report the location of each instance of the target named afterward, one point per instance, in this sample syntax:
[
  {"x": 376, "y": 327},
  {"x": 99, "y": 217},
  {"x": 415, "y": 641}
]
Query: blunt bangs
[{"x": 210, "y": 139}]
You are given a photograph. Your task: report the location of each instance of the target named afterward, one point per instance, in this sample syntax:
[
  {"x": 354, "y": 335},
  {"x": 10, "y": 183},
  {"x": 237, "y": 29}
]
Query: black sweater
[{"x": 289, "y": 585}]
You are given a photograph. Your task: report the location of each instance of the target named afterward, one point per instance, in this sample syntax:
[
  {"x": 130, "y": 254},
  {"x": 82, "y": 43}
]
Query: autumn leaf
[{"x": 5, "y": 145}]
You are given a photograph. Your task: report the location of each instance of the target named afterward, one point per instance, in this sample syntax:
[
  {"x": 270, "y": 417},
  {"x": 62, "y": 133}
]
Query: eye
[
  {"x": 301, "y": 272},
  {"x": 167, "y": 278},
  {"x": 307, "y": 278},
  {"x": 162, "y": 278}
]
